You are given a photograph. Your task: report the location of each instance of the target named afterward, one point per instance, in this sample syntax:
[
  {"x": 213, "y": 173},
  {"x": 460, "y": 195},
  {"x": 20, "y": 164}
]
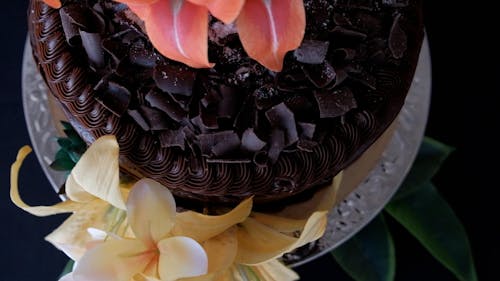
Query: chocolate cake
[{"x": 222, "y": 134}]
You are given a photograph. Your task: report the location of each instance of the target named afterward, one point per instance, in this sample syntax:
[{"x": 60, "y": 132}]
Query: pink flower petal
[
  {"x": 226, "y": 11},
  {"x": 150, "y": 210},
  {"x": 56, "y": 4},
  {"x": 268, "y": 29},
  {"x": 178, "y": 29},
  {"x": 181, "y": 257},
  {"x": 114, "y": 260}
]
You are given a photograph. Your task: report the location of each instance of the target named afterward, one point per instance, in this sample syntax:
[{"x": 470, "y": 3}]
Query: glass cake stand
[{"x": 346, "y": 219}]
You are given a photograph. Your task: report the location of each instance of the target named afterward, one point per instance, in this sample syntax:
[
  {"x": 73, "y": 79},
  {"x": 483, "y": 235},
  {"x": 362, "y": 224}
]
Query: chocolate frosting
[{"x": 236, "y": 130}]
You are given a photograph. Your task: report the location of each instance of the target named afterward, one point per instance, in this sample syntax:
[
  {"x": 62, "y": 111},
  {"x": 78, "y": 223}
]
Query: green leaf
[
  {"x": 65, "y": 143},
  {"x": 369, "y": 255},
  {"x": 66, "y": 125},
  {"x": 62, "y": 164},
  {"x": 431, "y": 156},
  {"x": 67, "y": 269},
  {"x": 427, "y": 216}
]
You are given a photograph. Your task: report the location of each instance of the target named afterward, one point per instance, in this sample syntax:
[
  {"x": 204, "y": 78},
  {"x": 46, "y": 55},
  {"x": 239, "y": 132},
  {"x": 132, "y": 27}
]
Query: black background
[{"x": 464, "y": 114}]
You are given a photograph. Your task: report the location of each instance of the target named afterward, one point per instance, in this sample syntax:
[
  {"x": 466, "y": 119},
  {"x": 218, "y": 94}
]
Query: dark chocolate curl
[
  {"x": 320, "y": 75},
  {"x": 165, "y": 103},
  {"x": 92, "y": 44},
  {"x": 307, "y": 130},
  {"x": 280, "y": 116},
  {"x": 70, "y": 25},
  {"x": 114, "y": 97},
  {"x": 312, "y": 51},
  {"x": 398, "y": 42},
  {"x": 174, "y": 79},
  {"x": 156, "y": 119},
  {"x": 172, "y": 138},
  {"x": 277, "y": 143},
  {"x": 219, "y": 144},
  {"x": 251, "y": 142},
  {"x": 336, "y": 103},
  {"x": 139, "y": 120}
]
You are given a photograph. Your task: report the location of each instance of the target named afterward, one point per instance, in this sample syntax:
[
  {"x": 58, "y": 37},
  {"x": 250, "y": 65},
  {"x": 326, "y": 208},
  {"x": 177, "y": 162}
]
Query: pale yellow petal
[
  {"x": 329, "y": 197},
  {"x": 181, "y": 257},
  {"x": 322, "y": 200},
  {"x": 150, "y": 210},
  {"x": 202, "y": 227},
  {"x": 97, "y": 173},
  {"x": 313, "y": 230},
  {"x": 114, "y": 260},
  {"x": 221, "y": 250},
  {"x": 279, "y": 223},
  {"x": 274, "y": 270},
  {"x": 41, "y": 211},
  {"x": 72, "y": 237},
  {"x": 258, "y": 243}
]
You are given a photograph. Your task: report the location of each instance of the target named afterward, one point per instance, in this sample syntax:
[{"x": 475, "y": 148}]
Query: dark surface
[{"x": 463, "y": 114}]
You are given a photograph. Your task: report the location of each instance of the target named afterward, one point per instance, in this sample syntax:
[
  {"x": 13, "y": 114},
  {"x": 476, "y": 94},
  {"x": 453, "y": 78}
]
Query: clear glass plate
[{"x": 347, "y": 218}]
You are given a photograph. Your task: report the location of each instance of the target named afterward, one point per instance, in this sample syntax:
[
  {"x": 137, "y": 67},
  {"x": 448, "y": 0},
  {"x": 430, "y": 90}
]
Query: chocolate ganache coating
[{"x": 238, "y": 129}]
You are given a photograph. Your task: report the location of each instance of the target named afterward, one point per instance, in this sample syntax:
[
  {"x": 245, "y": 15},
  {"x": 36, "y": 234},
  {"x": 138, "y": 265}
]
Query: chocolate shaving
[
  {"x": 276, "y": 145},
  {"x": 139, "y": 120},
  {"x": 228, "y": 105},
  {"x": 72, "y": 20},
  {"x": 164, "y": 102},
  {"x": 307, "y": 130},
  {"x": 349, "y": 33},
  {"x": 398, "y": 42},
  {"x": 312, "y": 51},
  {"x": 334, "y": 104},
  {"x": 251, "y": 142},
  {"x": 219, "y": 144},
  {"x": 156, "y": 119},
  {"x": 280, "y": 116},
  {"x": 320, "y": 75},
  {"x": 174, "y": 79},
  {"x": 306, "y": 145},
  {"x": 140, "y": 55},
  {"x": 91, "y": 43},
  {"x": 172, "y": 138},
  {"x": 114, "y": 97}
]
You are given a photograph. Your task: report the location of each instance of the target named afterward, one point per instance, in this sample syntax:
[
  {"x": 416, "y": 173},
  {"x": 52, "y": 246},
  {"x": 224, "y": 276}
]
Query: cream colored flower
[{"x": 148, "y": 240}]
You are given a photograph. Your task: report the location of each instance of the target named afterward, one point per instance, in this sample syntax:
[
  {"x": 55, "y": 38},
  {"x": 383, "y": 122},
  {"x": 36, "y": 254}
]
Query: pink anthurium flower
[
  {"x": 268, "y": 29},
  {"x": 56, "y": 4}
]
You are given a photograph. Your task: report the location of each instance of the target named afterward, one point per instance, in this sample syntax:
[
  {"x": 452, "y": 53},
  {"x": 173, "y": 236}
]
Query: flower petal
[
  {"x": 150, "y": 210},
  {"x": 117, "y": 260},
  {"x": 226, "y": 11},
  {"x": 258, "y": 243},
  {"x": 268, "y": 29},
  {"x": 41, "y": 211},
  {"x": 97, "y": 173},
  {"x": 202, "y": 227},
  {"x": 221, "y": 250},
  {"x": 72, "y": 237},
  {"x": 275, "y": 270},
  {"x": 136, "y": 2},
  {"x": 281, "y": 224},
  {"x": 56, "y": 4},
  {"x": 181, "y": 257},
  {"x": 178, "y": 29}
]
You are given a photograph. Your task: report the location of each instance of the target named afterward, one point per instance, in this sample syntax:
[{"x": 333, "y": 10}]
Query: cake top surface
[{"x": 237, "y": 128}]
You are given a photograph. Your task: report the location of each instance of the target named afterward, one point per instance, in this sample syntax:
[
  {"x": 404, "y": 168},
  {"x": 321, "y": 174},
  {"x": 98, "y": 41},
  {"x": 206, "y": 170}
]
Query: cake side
[{"x": 339, "y": 104}]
